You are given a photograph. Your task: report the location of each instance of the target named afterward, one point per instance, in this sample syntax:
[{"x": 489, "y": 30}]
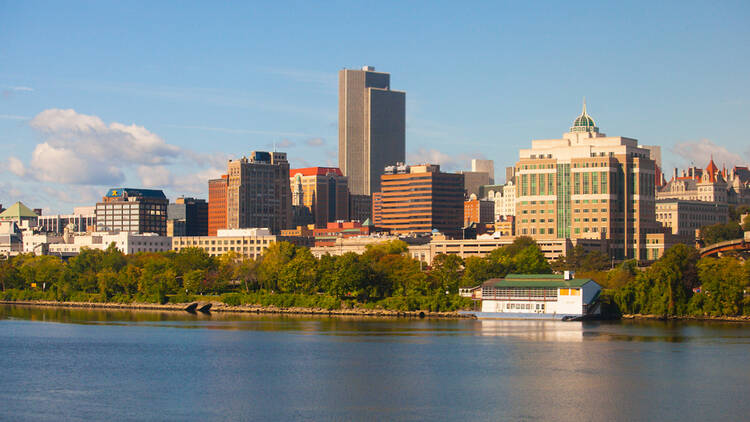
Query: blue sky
[{"x": 160, "y": 94}]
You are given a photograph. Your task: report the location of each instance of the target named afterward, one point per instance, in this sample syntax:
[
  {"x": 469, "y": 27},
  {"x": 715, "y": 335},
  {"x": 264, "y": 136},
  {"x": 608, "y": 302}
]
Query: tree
[
  {"x": 298, "y": 274},
  {"x": 476, "y": 271},
  {"x": 746, "y": 223},
  {"x": 722, "y": 283},
  {"x": 273, "y": 261},
  {"x": 446, "y": 271},
  {"x": 190, "y": 259},
  {"x": 720, "y": 232}
]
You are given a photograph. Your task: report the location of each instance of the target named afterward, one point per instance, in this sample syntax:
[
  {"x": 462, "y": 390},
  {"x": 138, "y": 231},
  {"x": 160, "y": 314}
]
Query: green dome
[{"x": 584, "y": 122}]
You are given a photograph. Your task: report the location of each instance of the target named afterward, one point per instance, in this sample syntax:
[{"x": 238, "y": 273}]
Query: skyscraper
[
  {"x": 258, "y": 193},
  {"x": 323, "y": 190},
  {"x": 372, "y": 127},
  {"x": 217, "y": 204}
]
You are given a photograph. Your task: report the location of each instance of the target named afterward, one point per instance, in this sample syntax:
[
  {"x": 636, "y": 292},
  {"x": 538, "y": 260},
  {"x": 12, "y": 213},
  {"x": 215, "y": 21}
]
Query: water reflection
[{"x": 533, "y": 330}]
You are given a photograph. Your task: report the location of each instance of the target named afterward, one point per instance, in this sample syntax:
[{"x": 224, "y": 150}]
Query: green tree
[
  {"x": 273, "y": 261},
  {"x": 446, "y": 271},
  {"x": 722, "y": 283},
  {"x": 476, "y": 271},
  {"x": 192, "y": 281},
  {"x": 720, "y": 232}
]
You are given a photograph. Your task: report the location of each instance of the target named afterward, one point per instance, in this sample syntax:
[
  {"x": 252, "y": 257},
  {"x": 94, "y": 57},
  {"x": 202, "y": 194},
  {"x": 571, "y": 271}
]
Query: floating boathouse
[{"x": 539, "y": 296}]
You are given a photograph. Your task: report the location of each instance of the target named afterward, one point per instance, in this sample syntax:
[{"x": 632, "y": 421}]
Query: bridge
[{"x": 741, "y": 244}]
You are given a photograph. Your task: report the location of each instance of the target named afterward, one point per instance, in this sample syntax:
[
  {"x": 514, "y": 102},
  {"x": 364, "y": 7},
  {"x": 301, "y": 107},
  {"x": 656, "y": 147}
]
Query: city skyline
[{"x": 167, "y": 110}]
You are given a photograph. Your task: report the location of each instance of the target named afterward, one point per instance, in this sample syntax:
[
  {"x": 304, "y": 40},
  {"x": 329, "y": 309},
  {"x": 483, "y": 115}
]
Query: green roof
[
  {"x": 17, "y": 211},
  {"x": 536, "y": 280}
]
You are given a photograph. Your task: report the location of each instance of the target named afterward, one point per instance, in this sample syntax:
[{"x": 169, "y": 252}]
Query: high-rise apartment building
[
  {"x": 372, "y": 127},
  {"x": 418, "y": 199},
  {"x": 323, "y": 191},
  {"x": 217, "y": 204},
  {"x": 587, "y": 186},
  {"x": 133, "y": 211},
  {"x": 258, "y": 192},
  {"x": 187, "y": 217}
]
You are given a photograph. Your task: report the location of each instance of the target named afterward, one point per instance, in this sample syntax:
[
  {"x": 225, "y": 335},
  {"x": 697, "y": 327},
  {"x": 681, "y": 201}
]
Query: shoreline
[
  {"x": 647, "y": 317},
  {"x": 245, "y": 309}
]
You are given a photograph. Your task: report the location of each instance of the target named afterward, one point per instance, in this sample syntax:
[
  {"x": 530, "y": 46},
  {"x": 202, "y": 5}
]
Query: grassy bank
[{"x": 258, "y": 300}]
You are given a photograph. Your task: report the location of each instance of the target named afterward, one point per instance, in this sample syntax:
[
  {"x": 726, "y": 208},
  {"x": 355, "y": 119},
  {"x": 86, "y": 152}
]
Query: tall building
[
  {"x": 187, "y": 217},
  {"x": 133, "y": 211},
  {"x": 485, "y": 166},
  {"x": 258, "y": 192},
  {"x": 217, "y": 204},
  {"x": 323, "y": 191},
  {"x": 360, "y": 207},
  {"x": 587, "y": 186},
  {"x": 372, "y": 127},
  {"x": 418, "y": 199}
]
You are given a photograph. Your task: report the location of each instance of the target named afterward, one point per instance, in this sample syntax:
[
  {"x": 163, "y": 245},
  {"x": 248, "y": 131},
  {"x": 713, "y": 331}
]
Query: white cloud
[
  {"x": 315, "y": 142},
  {"x": 92, "y": 137},
  {"x": 16, "y": 166},
  {"x": 700, "y": 152},
  {"x": 21, "y": 89},
  {"x": 285, "y": 143},
  {"x": 448, "y": 162},
  {"x": 12, "y": 117},
  {"x": 66, "y": 165}
]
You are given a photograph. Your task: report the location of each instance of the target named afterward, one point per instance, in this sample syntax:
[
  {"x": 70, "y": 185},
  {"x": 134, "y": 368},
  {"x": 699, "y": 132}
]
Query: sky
[{"x": 96, "y": 95}]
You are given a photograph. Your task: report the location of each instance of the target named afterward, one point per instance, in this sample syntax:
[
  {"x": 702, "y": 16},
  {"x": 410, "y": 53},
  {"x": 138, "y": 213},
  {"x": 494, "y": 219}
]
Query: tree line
[{"x": 384, "y": 276}]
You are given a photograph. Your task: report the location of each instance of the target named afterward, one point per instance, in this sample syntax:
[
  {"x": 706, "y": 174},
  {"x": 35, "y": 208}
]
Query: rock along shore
[
  {"x": 742, "y": 318},
  {"x": 222, "y": 307}
]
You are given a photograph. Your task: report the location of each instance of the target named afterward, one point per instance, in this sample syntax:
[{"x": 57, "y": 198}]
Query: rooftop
[
  {"x": 316, "y": 171},
  {"x": 17, "y": 211},
  {"x": 536, "y": 280},
  {"x": 143, "y": 193}
]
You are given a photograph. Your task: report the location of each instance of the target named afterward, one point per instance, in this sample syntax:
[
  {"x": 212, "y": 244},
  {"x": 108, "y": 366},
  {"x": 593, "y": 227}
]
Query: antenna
[{"x": 274, "y": 145}]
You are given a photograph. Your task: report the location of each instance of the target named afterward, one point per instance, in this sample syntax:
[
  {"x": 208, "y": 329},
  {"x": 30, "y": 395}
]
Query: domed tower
[{"x": 584, "y": 122}]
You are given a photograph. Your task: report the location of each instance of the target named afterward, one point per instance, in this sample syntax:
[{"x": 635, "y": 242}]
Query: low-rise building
[
  {"x": 543, "y": 296},
  {"x": 248, "y": 243},
  {"x": 685, "y": 217},
  {"x": 83, "y": 219},
  {"x": 23, "y": 216},
  {"x": 127, "y": 242},
  {"x": 11, "y": 242}
]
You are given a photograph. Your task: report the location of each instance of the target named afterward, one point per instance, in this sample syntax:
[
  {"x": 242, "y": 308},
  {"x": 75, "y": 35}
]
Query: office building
[
  {"x": 372, "y": 127},
  {"x": 684, "y": 218},
  {"x": 478, "y": 211},
  {"x": 484, "y": 166},
  {"x": 127, "y": 242},
  {"x": 587, "y": 185},
  {"x": 247, "y": 243},
  {"x": 258, "y": 192},
  {"x": 360, "y": 207},
  {"x": 473, "y": 181},
  {"x": 133, "y": 211},
  {"x": 81, "y": 220},
  {"x": 420, "y": 199},
  {"x": 323, "y": 191},
  {"x": 217, "y": 204},
  {"x": 23, "y": 216},
  {"x": 187, "y": 217}
]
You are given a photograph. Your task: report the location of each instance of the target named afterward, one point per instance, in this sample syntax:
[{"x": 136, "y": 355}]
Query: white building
[
  {"x": 248, "y": 243},
  {"x": 128, "y": 243},
  {"x": 542, "y": 296},
  {"x": 83, "y": 219}
]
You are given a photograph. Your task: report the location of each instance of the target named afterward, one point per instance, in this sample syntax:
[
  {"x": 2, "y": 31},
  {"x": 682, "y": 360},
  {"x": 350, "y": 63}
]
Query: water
[{"x": 60, "y": 364}]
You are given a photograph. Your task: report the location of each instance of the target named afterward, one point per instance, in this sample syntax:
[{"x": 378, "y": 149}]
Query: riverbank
[
  {"x": 743, "y": 318},
  {"x": 222, "y": 307}
]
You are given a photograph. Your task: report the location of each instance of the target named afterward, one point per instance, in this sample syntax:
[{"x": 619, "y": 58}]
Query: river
[{"x": 85, "y": 365}]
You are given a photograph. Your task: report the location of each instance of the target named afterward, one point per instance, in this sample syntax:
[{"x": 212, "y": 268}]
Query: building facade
[
  {"x": 685, "y": 218},
  {"x": 485, "y": 166},
  {"x": 128, "y": 243},
  {"x": 133, "y": 211},
  {"x": 83, "y": 219},
  {"x": 323, "y": 191},
  {"x": 372, "y": 127},
  {"x": 258, "y": 192},
  {"x": 420, "y": 199},
  {"x": 187, "y": 217},
  {"x": 726, "y": 186},
  {"x": 217, "y": 204},
  {"x": 360, "y": 207},
  {"x": 248, "y": 243},
  {"x": 587, "y": 185},
  {"x": 478, "y": 211}
]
